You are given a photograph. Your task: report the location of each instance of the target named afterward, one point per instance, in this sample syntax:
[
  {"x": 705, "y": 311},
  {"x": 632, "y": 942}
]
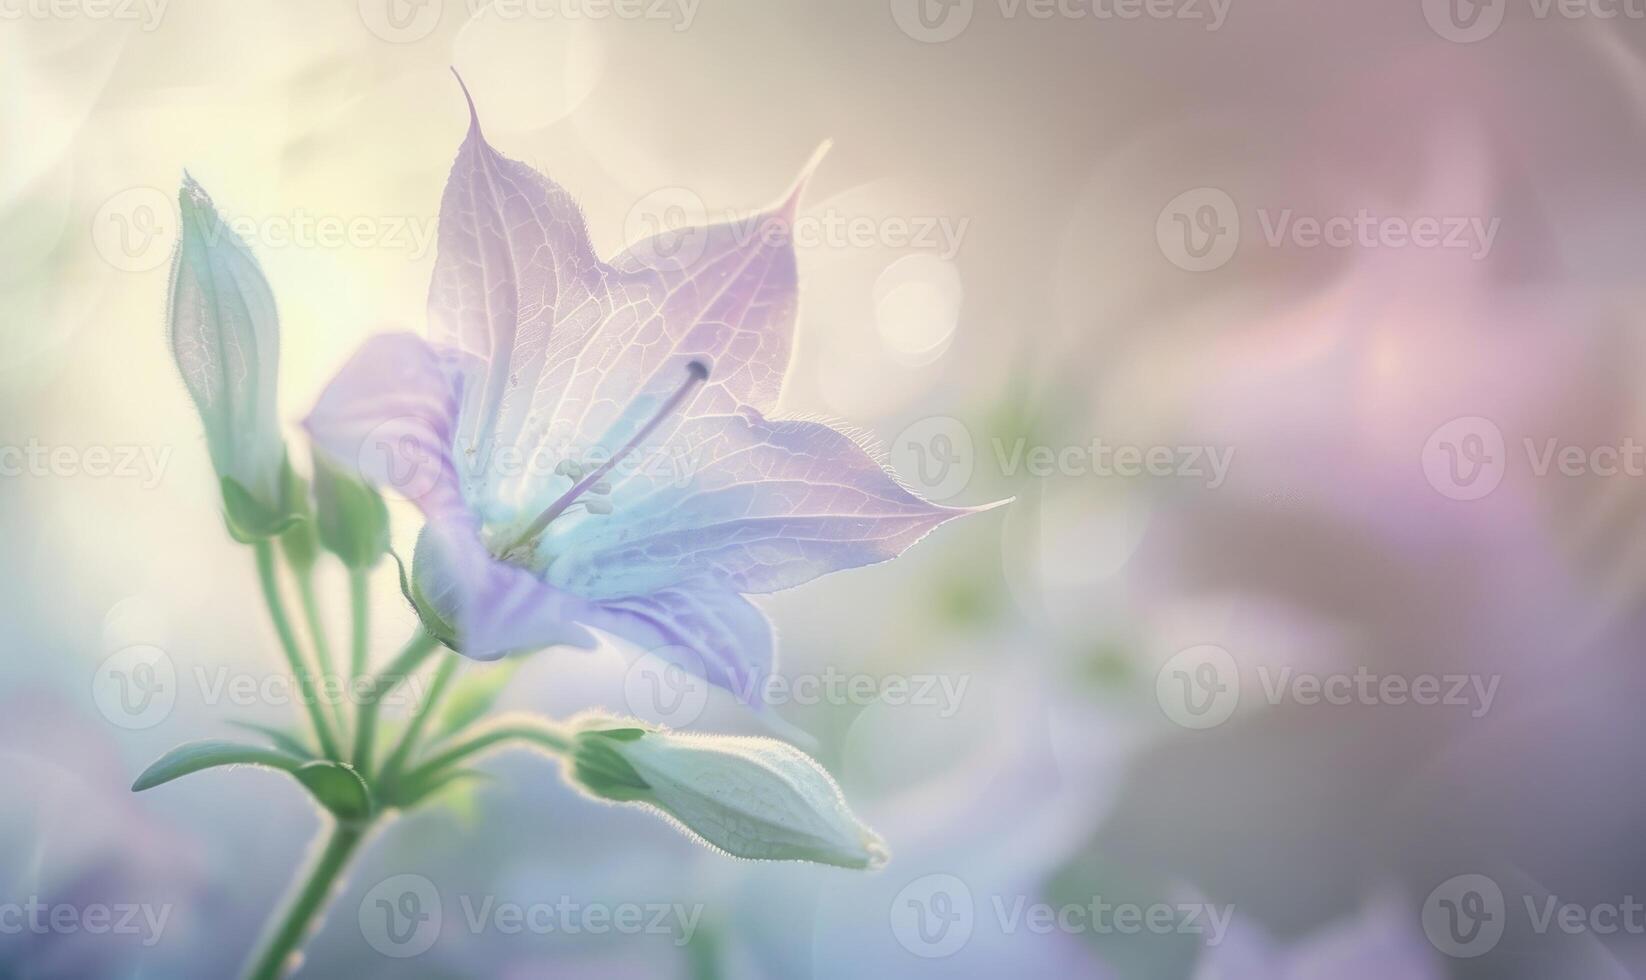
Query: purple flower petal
[
  {"x": 563, "y": 353},
  {"x": 728, "y": 639},
  {"x": 389, "y": 415},
  {"x": 486, "y": 607}
]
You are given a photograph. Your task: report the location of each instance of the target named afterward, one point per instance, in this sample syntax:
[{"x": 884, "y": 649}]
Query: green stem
[
  {"x": 360, "y": 615},
  {"x": 306, "y": 903},
  {"x": 411, "y": 657},
  {"x": 322, "y": 650},
  {"x": 534, "y": 731},
  {"x": 414, "y": 725},
  {"x": 288, "y": 642}
]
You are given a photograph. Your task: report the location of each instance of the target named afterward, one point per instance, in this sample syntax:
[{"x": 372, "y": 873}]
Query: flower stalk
[
  {"x": 268, "y": 578},
  {"x": 278, "y": 955}
]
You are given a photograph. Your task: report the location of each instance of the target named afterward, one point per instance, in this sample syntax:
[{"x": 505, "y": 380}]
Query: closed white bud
[{"x": 750, "y": 797}]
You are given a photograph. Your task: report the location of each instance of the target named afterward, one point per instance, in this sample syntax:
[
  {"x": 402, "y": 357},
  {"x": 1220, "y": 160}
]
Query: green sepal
[
  {"x": 337, "y": 787},
  {"x": 432, "y": 623},
  {"x": 599, "y": 770},
  {"x": 301, "y": 545},
  {"x": 250, "y": 520},
  {"x": 353, "y": 520}
]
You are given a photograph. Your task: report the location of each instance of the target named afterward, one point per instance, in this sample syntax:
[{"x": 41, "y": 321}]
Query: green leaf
[
  {"x": 338, "y": 788},
  {"x": 210, "y": 754},
  {"x": 473, "y": 695},
  {"x": 283, "y": 740}
]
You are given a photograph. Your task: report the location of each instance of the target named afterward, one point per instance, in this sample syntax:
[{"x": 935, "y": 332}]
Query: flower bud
[
  {"x": 226, "y": 339},
  {"x": 353, "y": 521},
  {"x": 750, "y": 797}
]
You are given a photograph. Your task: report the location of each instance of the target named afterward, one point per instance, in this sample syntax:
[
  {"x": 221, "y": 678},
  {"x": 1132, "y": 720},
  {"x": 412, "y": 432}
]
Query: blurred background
[{"x": 1305, "y": 335}]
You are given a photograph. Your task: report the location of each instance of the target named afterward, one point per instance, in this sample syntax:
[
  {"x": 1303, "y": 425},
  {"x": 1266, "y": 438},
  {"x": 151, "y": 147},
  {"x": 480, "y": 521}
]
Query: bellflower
[
  {"x": 226, "y": 340},
  {"x": 539, "y": 351},
  {"x": 751, "y": 797}
]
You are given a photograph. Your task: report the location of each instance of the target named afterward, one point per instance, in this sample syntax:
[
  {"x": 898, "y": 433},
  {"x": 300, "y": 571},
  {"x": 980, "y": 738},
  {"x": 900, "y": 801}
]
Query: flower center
[{"x": 590, "y": 481}]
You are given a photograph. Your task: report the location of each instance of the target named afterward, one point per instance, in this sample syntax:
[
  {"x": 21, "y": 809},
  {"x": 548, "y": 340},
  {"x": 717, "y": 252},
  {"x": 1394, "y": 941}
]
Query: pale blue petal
[
  {"x": 760, "y": 506},
  {"x": 728, "y": 639}
]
